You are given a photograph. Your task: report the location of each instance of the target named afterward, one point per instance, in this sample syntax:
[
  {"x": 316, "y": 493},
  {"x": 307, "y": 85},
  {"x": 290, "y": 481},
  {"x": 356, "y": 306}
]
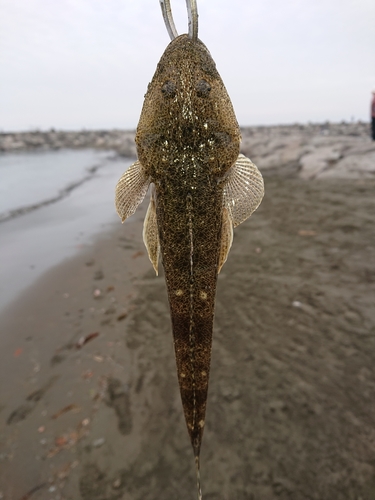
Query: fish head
[{"x": 187, "y": 113}]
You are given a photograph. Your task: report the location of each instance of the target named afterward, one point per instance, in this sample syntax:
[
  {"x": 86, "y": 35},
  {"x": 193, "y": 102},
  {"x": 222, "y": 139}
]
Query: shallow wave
[
  {"x": 16, "y": 212},
  {"x": 31, "y": 181}
]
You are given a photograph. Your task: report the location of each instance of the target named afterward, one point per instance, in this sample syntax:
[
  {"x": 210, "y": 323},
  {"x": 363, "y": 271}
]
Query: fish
[{"x": 188, "y": 146}]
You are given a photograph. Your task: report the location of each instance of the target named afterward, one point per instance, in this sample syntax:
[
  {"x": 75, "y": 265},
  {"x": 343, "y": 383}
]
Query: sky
[{"x": 85, "y": 64}]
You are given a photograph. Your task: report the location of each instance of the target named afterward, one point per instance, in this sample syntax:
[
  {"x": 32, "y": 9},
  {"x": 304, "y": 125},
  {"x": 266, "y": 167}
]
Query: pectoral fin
[
  {"x": 226, "y": 238},
  {"x": 130, "y": 190},
  {"x": 151, "y": 235},
  {"x": 243, "y": 189}
]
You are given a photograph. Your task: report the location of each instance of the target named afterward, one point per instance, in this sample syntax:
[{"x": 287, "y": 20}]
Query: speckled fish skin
[
  {"x": 188, "y": 148},
  {"x": 187, "y": 139}
]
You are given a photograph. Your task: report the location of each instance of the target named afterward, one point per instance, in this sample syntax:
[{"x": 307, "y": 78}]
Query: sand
[{"x": 90, "y": 406}]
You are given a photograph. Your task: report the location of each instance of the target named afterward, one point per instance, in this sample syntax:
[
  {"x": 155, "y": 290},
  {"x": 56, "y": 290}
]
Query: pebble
[
  {"x": 117, "y": 483},
  {"x": 98, "y": 442}
]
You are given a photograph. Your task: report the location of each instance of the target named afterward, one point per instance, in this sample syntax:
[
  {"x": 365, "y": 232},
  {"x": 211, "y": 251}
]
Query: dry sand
[{"x": 291, "y": 410}]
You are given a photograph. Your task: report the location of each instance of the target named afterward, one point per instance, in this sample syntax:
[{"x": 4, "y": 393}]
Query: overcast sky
[{"x": 73, "y": 64}]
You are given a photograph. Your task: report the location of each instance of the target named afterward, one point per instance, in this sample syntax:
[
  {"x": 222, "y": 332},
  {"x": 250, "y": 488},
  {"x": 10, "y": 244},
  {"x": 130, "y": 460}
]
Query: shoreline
[
  {"x": 41, "y": 238},
  {"x": 290, "y": 410}
]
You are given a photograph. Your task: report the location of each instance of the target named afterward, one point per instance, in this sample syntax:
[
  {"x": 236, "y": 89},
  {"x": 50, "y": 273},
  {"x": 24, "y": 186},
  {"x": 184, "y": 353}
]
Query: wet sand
[{"x": 90, "y": 406}]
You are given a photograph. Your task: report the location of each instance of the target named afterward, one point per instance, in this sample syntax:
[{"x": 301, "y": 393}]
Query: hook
[{"x": 192, "y": 17}]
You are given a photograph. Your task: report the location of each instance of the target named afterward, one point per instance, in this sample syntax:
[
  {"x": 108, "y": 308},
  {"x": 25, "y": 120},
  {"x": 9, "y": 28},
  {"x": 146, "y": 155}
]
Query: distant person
[{"x": 373, "y": 115}]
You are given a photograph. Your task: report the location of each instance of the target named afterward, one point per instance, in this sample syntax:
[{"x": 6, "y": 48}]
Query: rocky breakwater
[
  {"x": 314, "y": 151},
  {"x": 325, "y": 150},
  {"x": 117, "y": 140}
]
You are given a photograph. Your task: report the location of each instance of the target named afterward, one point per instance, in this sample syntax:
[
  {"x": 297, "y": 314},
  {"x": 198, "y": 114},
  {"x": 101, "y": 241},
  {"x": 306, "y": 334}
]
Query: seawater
[
  {"x": 30, "y": 179},
  {"x": 52, "y": 204}
]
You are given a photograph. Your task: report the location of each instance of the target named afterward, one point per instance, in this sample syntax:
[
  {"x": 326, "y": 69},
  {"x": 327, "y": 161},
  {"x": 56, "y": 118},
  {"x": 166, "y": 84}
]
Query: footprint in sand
[
  {"x": 32, "y": 400},
  {"x": 118, "y": 398}
]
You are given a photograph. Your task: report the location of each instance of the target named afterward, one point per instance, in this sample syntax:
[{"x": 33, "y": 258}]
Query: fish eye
[
  {"x": 169, "y": 89},
  {"x": 203, "y": 88},
  {"x": 222, "y": 138}
]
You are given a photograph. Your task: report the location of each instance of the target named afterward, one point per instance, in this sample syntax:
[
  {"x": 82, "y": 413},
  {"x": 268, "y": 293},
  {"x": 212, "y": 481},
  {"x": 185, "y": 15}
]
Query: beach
[{"x": 90, "y": 405}]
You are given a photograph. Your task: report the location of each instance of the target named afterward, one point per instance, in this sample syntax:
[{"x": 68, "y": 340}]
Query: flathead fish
[{"x": 188, "y": 142}]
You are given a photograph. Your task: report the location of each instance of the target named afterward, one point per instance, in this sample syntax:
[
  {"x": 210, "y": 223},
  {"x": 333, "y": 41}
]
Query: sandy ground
[{"x": 89, "y": 405}]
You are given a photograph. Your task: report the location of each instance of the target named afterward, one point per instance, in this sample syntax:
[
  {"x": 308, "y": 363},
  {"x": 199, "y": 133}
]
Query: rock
[{"x": 314, "y": 163}]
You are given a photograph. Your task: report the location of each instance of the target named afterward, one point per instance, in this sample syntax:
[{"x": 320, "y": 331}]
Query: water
[
  {"x": 28, "y": 180},
  {"x": 51, "y": 205}
]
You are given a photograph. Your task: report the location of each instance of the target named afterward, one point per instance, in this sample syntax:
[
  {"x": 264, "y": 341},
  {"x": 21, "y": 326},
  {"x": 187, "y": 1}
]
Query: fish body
[
  {"x": 188, "y": 142},
  {"x": 187, "y": 138}
]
